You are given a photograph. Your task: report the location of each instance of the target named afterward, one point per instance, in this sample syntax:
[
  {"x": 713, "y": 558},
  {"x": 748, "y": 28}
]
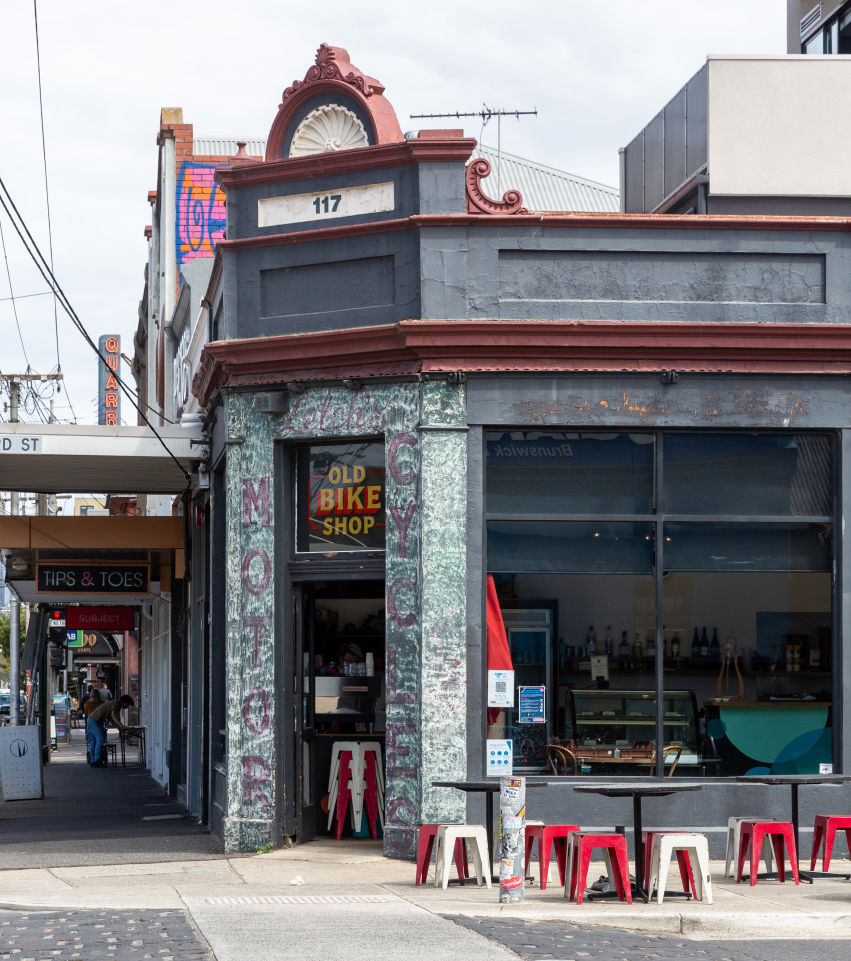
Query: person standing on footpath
[
  {"x": 95, "y": 728},
  {"x": 92, "y": 701}
]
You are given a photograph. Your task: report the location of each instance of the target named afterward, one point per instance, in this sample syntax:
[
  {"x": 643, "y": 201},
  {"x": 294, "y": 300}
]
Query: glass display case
[{"x": 610, "y": 726}]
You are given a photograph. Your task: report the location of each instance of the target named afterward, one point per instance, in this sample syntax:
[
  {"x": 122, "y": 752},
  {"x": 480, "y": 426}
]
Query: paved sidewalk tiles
[{"x": 99, "y": 936}]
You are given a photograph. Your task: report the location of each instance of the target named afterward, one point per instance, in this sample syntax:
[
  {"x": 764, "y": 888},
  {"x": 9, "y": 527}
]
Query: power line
[
  {"x": 41, "y": 293},
  {"x": 12, "y": 298},
  {"x": 44, "y": 269},
  {"x": 44, "y": 161}
]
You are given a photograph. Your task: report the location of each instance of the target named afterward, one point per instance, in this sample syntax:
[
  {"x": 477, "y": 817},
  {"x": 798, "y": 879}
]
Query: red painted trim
[
  {"x": 333, "y": 72},
  {"x": 649, "y": 221},
  {"x": 421, "y": 346},
  {"x": 342, "y": 162},
  {"x": 478, "y": 201}
]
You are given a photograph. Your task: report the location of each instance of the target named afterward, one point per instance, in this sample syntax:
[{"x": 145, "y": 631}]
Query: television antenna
[{"x": 486, "y": 113}]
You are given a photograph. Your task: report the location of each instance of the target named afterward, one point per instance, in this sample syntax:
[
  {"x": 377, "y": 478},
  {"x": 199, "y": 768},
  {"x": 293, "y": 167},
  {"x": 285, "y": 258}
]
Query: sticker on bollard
[{"x": 512, "y": 837}]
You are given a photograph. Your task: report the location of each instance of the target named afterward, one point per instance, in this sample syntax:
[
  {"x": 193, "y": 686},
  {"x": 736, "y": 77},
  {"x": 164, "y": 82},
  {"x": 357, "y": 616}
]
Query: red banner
[{"x": 99, "y": 619}]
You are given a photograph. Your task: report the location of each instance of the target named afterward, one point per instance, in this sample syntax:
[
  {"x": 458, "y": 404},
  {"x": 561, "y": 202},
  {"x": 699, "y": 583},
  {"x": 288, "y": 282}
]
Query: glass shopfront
[{"x": 674, "y": 582}]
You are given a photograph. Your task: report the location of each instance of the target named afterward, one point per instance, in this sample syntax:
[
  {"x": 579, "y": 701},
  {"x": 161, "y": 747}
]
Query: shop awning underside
[{"x": 71, "y": 458}]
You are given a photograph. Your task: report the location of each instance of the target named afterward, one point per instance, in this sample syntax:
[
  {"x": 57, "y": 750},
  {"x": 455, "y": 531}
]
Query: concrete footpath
[{"x": 356, "y": 877}]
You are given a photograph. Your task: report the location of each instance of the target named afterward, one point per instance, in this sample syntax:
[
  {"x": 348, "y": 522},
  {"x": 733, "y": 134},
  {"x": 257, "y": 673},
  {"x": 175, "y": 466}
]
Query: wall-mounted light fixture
[{"x": 669, "y": 376}]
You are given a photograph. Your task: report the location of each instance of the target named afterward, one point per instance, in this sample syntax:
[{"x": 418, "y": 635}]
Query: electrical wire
[
  {"x": 42, "y": 266},
  {"x": 44, "y": 161},
  {"x": 12, "y": 298},
  {"x": 41, "y": 293}
]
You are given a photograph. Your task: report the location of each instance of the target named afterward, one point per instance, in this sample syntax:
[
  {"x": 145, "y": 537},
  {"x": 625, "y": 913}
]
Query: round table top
[
  {"x": 794, "y": 778},
  {"x": 492, "y": 785},
  {"x": 634, "y": 789}
]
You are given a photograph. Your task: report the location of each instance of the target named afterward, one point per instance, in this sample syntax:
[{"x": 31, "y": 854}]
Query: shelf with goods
[{"x": 617, "y": 718}]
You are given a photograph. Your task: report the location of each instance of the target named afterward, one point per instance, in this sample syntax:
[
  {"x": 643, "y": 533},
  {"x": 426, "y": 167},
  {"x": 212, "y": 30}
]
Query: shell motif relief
[{"x": 327, "y": 128}]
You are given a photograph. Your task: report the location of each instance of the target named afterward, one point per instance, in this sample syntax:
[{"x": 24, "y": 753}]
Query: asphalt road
[{"x": 551, "y": 940}]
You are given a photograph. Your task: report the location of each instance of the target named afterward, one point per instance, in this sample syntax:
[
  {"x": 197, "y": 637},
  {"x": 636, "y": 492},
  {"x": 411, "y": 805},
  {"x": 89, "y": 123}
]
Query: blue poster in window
[{"x": 532, "y": 705}]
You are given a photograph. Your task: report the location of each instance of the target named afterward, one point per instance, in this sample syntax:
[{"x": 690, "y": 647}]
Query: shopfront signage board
[
  {"x": 100, "y": 618},
  {"x": 54, "y": 576}
]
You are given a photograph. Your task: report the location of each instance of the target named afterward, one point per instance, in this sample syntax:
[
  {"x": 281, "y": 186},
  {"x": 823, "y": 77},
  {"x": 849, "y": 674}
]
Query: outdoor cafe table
[
  {"x": 794, "y": 781},
  {"x": 638, "y": 790},
  {"x": 491, "y": 788}
]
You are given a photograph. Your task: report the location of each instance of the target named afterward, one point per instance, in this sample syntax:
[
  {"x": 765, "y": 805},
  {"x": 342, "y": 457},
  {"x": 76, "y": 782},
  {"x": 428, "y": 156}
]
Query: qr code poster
[{"x": 500, "y": 688}]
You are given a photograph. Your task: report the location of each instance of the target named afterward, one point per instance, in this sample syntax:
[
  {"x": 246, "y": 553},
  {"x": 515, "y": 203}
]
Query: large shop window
[
  {"x": 340, "y": 502},
  {"x": 732, "y": 532}
]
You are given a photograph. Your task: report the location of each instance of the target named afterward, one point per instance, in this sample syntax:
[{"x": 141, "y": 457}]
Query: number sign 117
[{"x": 327, "y": 204}]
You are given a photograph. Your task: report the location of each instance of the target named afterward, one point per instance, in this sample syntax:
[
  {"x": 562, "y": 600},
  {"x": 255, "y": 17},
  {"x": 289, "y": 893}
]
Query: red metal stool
[
  {"x": 425, "y": 846},
  {"x": 579, "y": 857},
  {"x": 825, "y": 829},
  {"x": 752, "y": 835},
  {"x": 548, "y": 835},
  {"x": 682, "y": 859}
]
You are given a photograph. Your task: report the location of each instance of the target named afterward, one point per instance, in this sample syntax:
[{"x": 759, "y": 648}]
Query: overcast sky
[{"x": 596, "y": 72}]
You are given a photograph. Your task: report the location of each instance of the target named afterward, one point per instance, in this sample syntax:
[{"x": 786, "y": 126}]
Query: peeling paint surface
[{"x": 250, "y": 649}]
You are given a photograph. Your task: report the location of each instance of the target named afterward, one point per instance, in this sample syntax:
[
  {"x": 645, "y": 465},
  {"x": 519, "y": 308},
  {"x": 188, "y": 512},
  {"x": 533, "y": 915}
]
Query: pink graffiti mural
[{"x": 201, "y": 217}]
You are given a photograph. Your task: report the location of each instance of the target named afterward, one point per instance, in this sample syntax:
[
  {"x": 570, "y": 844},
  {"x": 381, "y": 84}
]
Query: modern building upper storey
[
  {"x": 747, "y": 135},
  {"x": 818, "y": 28}
]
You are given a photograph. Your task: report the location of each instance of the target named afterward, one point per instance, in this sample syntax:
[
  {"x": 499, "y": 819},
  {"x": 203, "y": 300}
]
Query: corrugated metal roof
[
  {"x": 226, "y": 146},
  {"x": 545, "y": 189}
]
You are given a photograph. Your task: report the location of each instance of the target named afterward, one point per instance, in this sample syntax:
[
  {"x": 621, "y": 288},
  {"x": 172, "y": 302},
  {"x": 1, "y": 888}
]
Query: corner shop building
[{"x": 637, "y": 423}]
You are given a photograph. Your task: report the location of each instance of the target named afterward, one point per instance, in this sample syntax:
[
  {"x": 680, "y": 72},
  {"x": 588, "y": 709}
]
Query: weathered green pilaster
[
  {"x": 252, "y": 774},
  {"x": 443, "y": 554}
]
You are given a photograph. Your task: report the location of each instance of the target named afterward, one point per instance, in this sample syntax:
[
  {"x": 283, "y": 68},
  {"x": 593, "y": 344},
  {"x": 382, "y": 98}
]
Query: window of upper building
[{"x": 832, "y": 37}]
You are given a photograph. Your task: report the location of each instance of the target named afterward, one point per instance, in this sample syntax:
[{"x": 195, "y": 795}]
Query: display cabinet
[{"x": 621, "y": 725}]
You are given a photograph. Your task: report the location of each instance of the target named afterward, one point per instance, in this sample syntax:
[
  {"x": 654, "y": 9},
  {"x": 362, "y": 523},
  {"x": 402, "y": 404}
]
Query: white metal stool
[
  {"x": 733, "y": 832},
  {"x": 447, "y": 835},
  {"x": 664, "y": 845}
]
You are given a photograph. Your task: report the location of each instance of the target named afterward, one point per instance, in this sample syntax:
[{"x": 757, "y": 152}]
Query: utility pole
[
  {"x": 14, "y": 604},
  {"x": 486, "y": 113},
  {"x": 14, "y": 381}
]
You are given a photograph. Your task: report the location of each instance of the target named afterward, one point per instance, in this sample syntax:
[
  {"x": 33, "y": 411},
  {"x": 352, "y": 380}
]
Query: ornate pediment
[
  {"x": 332, "y": 63},
  {"x": 349, "y": 93}
]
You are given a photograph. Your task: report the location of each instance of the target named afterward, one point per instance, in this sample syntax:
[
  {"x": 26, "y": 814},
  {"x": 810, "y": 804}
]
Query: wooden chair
[
  {"x": 561, "y": 759},
  {"x": 671, "y": 751}
]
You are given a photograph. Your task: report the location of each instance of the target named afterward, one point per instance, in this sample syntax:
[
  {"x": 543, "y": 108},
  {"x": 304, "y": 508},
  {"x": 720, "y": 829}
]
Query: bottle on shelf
[
  {"x": 650, "y": 645},
  {"x": 637, "y": 649},
  {"x": 610, "y": 641},
  {"x": 623, "y": 648},
  {"x": 704, "y": 644},
  {"x": 675, "y": 646},
  {"x": 591, "y": 641},
  {"x": 715, "y": 647},
  {"x": 695, "y": 645}
]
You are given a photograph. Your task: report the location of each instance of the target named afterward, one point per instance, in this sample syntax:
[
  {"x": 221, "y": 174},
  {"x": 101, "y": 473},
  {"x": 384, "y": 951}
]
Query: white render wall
[{"x": 778, "y": 126}]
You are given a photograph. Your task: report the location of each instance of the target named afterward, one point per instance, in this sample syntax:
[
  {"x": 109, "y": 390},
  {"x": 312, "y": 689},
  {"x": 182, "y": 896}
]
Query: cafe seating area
[{"x": 752, "y": 842}]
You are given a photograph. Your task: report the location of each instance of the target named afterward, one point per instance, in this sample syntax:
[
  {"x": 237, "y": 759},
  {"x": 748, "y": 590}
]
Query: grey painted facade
[{"x": 469, "y": 268}]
